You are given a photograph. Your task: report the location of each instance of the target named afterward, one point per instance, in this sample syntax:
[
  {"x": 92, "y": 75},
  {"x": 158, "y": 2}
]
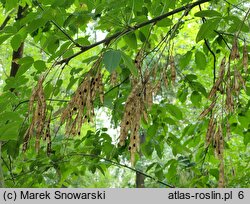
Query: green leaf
[
  {"x": 200, "y": 60},
  {"x": 26, "y": 63},
  {"x": 40, "y": 65},
  {"x": 169, "y": 121},
  {"x": 207, "y": 13},
  {"x": 164, "y": 23},
  {"x": 197, "y": 86},
  {"x": 16, "y": 42},
  {"x": 142, "y": 37},
  {"x": 152, "y": 130},
  {"x": 195, "y": 98},
  {"x": 111, "y": 59},
  {"x": 247, "y": 138},
  {"x": 215, "y": 173},
  {"x": 185, "y": 59},
  {"x": 3, "y": 38},
  {"x": 10, "y": 4},
  {"x": 182, "y": 95},
  {"x": 9, "y": 116},
  {"x": 207, "y": 29},
  {"x": 130, "y": 40},
  {"x": 174, "y": 111},
  {"x": 129, "y": 63},
  {"x": 26, "y": 60},
  {"x": 9, "y": 131}
]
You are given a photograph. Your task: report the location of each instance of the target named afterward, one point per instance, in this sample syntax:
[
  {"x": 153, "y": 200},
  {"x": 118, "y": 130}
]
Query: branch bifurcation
[{"x": 132, "y": 29}]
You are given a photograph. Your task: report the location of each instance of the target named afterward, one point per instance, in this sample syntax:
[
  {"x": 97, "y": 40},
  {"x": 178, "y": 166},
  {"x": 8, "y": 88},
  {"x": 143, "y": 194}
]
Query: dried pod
[
  {"x": 214, "y": 88},
  {"x": 235, "y": 50},
  {"x": 218, "y": 85},
  {"x": 222, "y": 68},
  {"x": 236, "y": 86},
  {"x": 221, "y": 157},
  {"x": 165, "y": 78},
  {"x": 81, "y": 106},
  {"x": 148, "y": 94},
  {"x": 113, "y": 78},
  {"x": 221, "y": 175},
  {"x": 39, "y": 115},
  {"x": 228, "y": 129},
  {"x": 207, "y": 110},
  {"x": 210, "y": 130},
  {"x": 172, "y": 69},
  {"x": 245, "y": 58},
  {"x": 240, "y": 79}
]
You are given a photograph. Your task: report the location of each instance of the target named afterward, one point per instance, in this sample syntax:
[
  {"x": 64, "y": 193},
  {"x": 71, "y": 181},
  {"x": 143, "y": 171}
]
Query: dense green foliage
[{"x": 173, "y": 48}]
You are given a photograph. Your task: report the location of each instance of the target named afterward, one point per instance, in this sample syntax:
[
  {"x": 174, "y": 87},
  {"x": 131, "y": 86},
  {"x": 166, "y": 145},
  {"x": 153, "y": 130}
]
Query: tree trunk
[
  {"x": 139, "y": 180},
  {"x": 1, "y": 170},
  {"x": 14, "y": 68}
]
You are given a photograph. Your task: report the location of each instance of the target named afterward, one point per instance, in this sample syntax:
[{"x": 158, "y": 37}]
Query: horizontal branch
[
  {"x": 133, "y": 28},
  {"x": 120, "y": 165}
]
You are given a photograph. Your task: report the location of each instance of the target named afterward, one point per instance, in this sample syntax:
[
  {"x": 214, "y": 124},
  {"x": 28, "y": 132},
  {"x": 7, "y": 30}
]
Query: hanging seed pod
[
  {"x": 218, "y": 85},
  {"x": 240, "y": 79},
  {"x": 236, "y": 86},
  {"x": 228, "y": 129},
  {"x": 113, "y": 78},
  {"x": 210, "y": 130},
  {"x": 148, "y": 96},
  {"x": 235, "y": 50},
  {"x": 245, "y": 58},
  {"x": 222, "y": 68},
  {"x": 39, "y": 115},
  {"x": 221, "y": 175},
  {"x": 165, "y": 79},
  {"x": 154, "y": 71},
  {"x": 145, "y": 115},
  {"x": 214, "y": 88},
  {"x": 207, "y": 110},
  {"x": 217, "y": 139},
  {"x": 172, "y": 69},
  {"x": 130, "y": 117},
  {"x": 229, "y": 96},
  {"x": 221, "y": 158},
  {"x": 80, "y": 109}
]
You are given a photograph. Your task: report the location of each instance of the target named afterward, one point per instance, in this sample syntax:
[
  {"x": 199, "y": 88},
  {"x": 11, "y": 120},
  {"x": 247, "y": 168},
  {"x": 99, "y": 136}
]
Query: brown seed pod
[
  {"x": 218, "y": 85},
  {"x": 221, "y": 175},
  {"x": 172, "y": 69},
  {"x": 81, "y": 106},
  {"x": 245, "y": 58},
  {"x": 210, "y": 130},
  {"x": 113, "y": 78},
  {"x": 207, "y": 110},
  {"x": 39, "y": 115},
  {"x": 240, "y": 79},
  {"x": 236, "y": 86},
  {"x": 221, "y": 157},
  {"x": 235, "y": 50}
]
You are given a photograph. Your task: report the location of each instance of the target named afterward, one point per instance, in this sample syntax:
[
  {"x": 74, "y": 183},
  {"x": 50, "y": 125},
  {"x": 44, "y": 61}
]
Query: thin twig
[
  {"x": 56, "y": 24},
  {"x": 120, "y": 165},
  {"x": 210, "y": 50},
  {"x": 131, "y": 29}
]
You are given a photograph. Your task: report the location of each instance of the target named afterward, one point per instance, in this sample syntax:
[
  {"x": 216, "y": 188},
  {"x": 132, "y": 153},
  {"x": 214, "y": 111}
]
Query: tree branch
[
  {"x": 120, "y": 165},
  {"x": 131, "y": 29},
  {"x": 209, "y": 49},
  {"x": 5, "y": 22},
  {"x": 56, "y": 24}
]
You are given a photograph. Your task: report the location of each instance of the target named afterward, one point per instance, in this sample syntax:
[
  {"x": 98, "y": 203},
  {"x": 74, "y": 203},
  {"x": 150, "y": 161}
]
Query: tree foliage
[{"x": 94, "y": 92}]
